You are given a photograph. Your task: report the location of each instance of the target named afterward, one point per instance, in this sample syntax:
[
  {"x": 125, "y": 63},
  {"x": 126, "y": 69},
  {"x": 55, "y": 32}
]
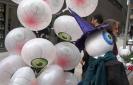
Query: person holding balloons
[
  {"x": 96, "y": 21},
  {"x": 103, "y": 67}
]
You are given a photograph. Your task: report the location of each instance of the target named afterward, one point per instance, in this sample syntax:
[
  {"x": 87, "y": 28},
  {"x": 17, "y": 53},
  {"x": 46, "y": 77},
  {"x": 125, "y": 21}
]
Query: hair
[
  {"x": 112, "y": 23},
  {"x": 99, "y": 18}
]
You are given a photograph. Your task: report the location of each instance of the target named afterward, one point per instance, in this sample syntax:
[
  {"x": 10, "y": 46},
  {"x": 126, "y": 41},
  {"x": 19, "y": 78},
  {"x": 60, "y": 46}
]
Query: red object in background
[{"x": 130, "y": 68}]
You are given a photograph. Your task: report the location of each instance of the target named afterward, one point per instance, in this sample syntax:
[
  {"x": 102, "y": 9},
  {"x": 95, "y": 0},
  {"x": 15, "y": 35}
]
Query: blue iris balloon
[{"x": 107, "y": 37}]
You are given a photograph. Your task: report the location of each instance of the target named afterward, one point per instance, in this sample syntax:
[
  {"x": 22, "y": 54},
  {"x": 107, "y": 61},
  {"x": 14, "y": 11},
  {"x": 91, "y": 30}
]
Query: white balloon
[
  {"x": 68, "y": 55},
  {"x": 124, "y": 51},
  {"x": 70, "y": 79},
  {"x": 53, "y": 75},
  {"x": 18, "y": 37},
  {"x": 119, "y": 58},
  {"x": 8, "y": 67},
  {"x": 55, "y": 5},
  {"x": 17, "y": 1},
  {"x": 82, "y": 7},
  {"x": 34, "y": 14},
  {"x": 99, "y": 43},
  {"x": 23, "y": 76},
  {"x": 67, "y": 24},
  {"x": 38, "y": 48}
]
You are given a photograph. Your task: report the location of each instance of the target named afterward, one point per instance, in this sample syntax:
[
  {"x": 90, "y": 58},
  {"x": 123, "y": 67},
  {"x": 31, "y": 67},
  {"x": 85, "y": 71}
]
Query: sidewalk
[{"x": 3, "y": 55}]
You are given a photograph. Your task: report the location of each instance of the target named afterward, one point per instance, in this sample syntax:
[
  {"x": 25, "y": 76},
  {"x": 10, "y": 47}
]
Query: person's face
[
  {"x": 115, "y": 29},
  {"x": 93, "y": 21}
]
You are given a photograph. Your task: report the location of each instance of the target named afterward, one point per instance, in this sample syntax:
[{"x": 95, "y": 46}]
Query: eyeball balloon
[
  {"x": 52, "y": 75},
  {"x": 98, "y": 43},
  {"x": 67, "y": 28},
  {"x": 38, "y": 53},
  {"x": 68, "y": 55},
  {"x": 124, "y": 51},
  {"x": 18, "y": 37},
  {"x": 119, "y": 58},
  {"x": 23, "y": 76},
  {"x": 82, "y": 7},
  {"x": 34, "y": 14},
  {"x": 17, "y": 1},
  {"x": 70, "y": 79},
  {"x": 55, "y": 5},
  {"x": 8, "y": 67}
]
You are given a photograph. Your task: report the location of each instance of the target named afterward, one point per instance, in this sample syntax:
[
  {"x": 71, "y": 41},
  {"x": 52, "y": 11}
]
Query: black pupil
[
  {"x": 64, "y": 36},
  {"x": 109, "y": 37}
]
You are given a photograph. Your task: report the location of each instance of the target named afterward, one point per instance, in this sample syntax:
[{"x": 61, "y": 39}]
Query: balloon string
[
  {"x": 62, "y": 11},
  {"x": 65, "y": 9}
]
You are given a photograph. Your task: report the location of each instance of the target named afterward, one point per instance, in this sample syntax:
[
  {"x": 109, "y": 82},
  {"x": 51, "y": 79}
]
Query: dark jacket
[
  {"x": 80, "y": 44},
  {"x": 116, "y": 73},
  {"x": 105, "y": 71}
]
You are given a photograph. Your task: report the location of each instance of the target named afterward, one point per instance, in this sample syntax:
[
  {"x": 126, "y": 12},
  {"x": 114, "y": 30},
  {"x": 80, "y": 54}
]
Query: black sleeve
[
  {"x": 80, "y": 43},
  {"x": 116, "y": 74}
]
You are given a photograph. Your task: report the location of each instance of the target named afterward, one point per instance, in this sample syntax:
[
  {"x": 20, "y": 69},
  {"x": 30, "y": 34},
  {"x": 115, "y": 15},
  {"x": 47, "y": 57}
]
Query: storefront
[{"x": 8, "y": 19}]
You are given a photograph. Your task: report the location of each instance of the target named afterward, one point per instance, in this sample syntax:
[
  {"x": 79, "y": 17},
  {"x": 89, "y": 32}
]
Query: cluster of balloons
[
  {"x": 37, "y": 17},
  {"x": 29, "y": 54},
  {"x": 27, "y": 51},
  {"x": 81, "y": 7},
  {"x": 25, "y": 47}
]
